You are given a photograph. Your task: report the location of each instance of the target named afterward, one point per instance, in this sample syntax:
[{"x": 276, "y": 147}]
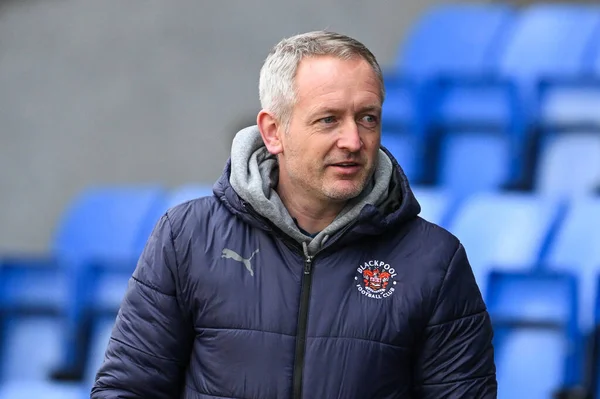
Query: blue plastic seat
[
  {"x": 505, "y": 231},
  {"x": 101, "y": 238},
  {"x": 572, "y": 102},
  {"x": 440, "y": 44},
  {"x": 545, "y": 41},
  {"x": 471, "y": 162},
  {"x": 101, "y": 233},
  {"x": 570, "y": 126},
  {"x": 569, "y": 164},
  {"x": 402, "y": 147},
  {"x": 575, "y": 249},
  {"x": 435, "y": 204},
  {"x": 32, "y": 347},
  {"x": 101, "y": 332},
  {"x": 594, "y": 375},
  {"x": 569, "y": 102},
  {"x": 42, "y": 390},
  {"x": 111, "y": 222},
  {"x": 534, "y": 318}
]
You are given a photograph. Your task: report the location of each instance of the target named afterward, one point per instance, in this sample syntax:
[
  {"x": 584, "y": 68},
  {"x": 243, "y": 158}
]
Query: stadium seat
[
  {"x": 440, "y": 44},
  {"x": 575, "y": 249},
  {"x": 573, "y": 101},
  {"x": 101, "y": 331},
  {"x": 544, "y": 41},
  {"x": 569, "y": 164},
  {"x": 101, "y": 237},
  {"x": 101, "y": 233},
  {"x": 471, "y": 162},
  {"x": 402, "y": 147},
  {"x": 505, "y": 231},
  {"x": 33, "y": 296},
  {"x": 593, "y": 356},
  {"x": 534, "y": 322},
  {"x": 569, "y": 124},
  {"x": 31, "y": 346},
  {"x": 435, "y": 204},
  {"x": 42, "y": 390}
]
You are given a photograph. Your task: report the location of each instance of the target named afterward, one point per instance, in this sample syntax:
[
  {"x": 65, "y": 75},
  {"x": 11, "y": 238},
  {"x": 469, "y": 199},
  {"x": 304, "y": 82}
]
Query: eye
[
  {"x": 370, "y": 120},
  {"x": 328, "y": 120}
]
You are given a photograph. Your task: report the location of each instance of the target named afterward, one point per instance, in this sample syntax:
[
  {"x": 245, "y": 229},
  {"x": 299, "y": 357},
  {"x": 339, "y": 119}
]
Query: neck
[{"x": 311, "y": 215}]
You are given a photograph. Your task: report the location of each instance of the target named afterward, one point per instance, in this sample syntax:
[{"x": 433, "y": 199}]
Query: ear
[{"x": 270, "y": 132}]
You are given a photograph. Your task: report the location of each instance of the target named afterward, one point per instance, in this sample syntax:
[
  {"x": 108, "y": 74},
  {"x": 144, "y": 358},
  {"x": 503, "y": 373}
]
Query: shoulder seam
[{"x": 172, "y": 239}]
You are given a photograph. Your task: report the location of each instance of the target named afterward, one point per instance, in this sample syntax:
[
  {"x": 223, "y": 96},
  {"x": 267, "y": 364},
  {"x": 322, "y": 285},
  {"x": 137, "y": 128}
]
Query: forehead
[{"x": 331, "y": 79}]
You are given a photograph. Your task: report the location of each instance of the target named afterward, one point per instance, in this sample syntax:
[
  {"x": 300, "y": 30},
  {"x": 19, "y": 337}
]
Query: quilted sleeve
[
  {"x": 456, "y": 358},
  {"x": 151, "y": 341}
]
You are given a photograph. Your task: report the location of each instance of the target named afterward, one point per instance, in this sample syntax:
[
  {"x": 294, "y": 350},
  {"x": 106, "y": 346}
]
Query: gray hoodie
[{"x": 254, "y": 175}]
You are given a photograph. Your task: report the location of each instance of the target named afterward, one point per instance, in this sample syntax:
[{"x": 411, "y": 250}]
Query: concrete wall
[{"x": 142, "y": 90}]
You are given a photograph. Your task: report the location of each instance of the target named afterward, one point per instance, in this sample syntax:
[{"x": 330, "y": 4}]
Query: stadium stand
[{"x": 482, "y": 99}]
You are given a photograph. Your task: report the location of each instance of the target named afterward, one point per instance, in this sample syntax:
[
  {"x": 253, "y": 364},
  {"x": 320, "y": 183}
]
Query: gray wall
[{"x": 142, "y": 90}]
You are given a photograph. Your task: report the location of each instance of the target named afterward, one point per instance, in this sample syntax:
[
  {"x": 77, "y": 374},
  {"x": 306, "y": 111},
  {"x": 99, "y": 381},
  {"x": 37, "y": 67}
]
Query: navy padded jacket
[{"x": 223, "y": 305}]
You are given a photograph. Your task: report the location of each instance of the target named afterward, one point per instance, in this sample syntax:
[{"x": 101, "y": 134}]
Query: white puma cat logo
[{"x": 230, "y": 254}]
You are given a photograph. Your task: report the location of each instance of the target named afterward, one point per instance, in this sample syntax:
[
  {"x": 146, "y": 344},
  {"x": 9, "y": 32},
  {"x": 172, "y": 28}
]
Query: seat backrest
[
  {"x": 188, "y": 192},
  {"x": 435, "y": 204},
  {"x": 453, "y": 39},
  {"x": 101, "y": 333},
  {"x": 534, "y": 297},
  {"x": 549, "y": 40},
  {"x": 108, "y": 223},
  {"x": 472, "y": 162},
  {"x": 406, "y": 149},
  {"x": 594, "y": 59},
  {"x": 575, "y": 248},
  {"x": 569, "y": 164},
  {"x": 43, "y": 390},
  {"x": 31, "y": 347},
  {"x": 534, "y": 319},
  {"x": 503, "y": 230}
]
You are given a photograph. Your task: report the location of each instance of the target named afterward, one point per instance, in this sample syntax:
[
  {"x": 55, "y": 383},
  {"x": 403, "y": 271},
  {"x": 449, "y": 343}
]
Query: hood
[{"x": 251, "y": 174}]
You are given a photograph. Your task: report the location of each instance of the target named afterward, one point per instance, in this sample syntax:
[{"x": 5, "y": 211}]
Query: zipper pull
[{"x": 307, "y": 264}]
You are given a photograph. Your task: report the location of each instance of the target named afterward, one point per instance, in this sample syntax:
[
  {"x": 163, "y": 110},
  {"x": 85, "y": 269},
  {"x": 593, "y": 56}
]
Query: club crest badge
[{"x": 375, "y": 279}]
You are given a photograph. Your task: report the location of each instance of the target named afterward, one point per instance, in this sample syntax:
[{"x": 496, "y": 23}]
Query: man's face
[{"x": 330, "y": 149}]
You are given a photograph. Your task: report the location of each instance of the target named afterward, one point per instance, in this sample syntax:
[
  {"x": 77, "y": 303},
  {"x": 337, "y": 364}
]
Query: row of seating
[
  {"x": 483, "y": 95},
  {"x": 537, "y": 263},
  {"x": 76, "y": 293},
  {"x": 58, "y": 311}
]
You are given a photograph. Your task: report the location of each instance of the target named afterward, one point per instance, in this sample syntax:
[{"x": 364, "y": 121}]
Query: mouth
[
  {"x": 346, "y": 165},
  {"x": 347, "y": 168}
]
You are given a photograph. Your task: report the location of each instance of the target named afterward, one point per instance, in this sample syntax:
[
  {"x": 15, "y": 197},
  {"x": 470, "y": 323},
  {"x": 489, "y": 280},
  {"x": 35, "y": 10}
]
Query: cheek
[{"x": 371, "y": 146}]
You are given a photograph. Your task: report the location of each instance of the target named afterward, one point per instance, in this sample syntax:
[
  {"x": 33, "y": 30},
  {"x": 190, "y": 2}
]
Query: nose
[{"x": 349, "y": 138}]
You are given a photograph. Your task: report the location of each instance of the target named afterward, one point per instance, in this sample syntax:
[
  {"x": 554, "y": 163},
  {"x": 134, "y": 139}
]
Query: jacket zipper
[
  {"x": 302, "y": 325},
  {"x": 300, "y": 350}
]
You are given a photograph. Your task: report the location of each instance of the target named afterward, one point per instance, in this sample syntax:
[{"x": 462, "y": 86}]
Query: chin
[{"x": 339, "y": 193}]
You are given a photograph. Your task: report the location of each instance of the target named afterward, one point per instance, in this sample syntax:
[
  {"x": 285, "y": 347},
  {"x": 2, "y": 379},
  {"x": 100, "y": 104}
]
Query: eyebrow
[
  {"x": 332, "y": 110},
  {"x": 371, "y": 108}
]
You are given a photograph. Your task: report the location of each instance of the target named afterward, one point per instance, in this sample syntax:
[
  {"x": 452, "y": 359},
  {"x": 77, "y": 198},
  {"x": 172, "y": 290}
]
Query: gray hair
[{"x": 276, "y": 85}]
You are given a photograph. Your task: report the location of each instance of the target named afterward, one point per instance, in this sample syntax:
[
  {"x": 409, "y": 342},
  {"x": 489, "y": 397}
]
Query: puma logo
[{"x": 230, "y": 254}]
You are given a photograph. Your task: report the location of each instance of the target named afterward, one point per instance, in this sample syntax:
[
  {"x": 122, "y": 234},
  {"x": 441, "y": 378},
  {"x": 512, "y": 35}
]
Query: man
[{"x": 308, "y": 274}]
